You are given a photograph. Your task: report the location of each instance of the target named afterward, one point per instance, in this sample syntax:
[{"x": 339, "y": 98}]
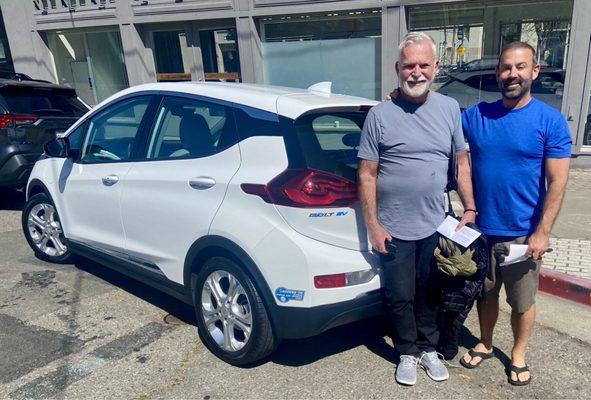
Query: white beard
[{"x": 416, "y": 91}]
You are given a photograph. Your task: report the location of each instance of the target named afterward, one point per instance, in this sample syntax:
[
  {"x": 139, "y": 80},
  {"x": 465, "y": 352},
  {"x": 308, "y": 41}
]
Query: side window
[
  {"x": 187, "y": 128},
  {"x": 111, "y": 132}
]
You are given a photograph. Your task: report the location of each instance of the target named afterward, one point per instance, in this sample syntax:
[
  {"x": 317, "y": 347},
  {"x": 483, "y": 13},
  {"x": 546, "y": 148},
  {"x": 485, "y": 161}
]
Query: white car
[{"x": 239, "y": 199}]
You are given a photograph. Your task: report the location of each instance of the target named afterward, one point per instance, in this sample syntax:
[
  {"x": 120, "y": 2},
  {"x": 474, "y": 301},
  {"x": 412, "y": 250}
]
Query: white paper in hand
[
  {"x": 517, "y": 253},
  {"x": 464, "y": 236}
]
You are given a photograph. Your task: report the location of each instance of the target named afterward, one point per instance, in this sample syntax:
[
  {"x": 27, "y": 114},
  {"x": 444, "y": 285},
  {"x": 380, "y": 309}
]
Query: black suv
[{"x": 31, "y": 113}]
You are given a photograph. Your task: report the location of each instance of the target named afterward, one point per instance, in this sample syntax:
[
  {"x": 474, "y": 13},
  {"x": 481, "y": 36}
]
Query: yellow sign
[{"x": 461, "y": 50}]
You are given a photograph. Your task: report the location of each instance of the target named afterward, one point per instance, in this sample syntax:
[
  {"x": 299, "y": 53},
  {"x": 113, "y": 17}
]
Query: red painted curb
[{"x": 566, "y": 286}]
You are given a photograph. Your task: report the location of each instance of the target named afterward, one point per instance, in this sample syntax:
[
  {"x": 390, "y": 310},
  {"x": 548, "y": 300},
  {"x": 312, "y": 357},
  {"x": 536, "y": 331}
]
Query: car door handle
[
  {"x": 110, "y": 180},
  {"x": 201, "y": 182}
]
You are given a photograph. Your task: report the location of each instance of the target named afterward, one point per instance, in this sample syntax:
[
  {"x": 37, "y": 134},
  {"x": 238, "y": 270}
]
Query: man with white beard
[{"x": 404, "y": 155}]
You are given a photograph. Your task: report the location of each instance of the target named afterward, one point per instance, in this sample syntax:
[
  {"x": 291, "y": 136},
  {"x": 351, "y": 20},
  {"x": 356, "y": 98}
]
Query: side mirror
[{"x": 58, "y": 148}]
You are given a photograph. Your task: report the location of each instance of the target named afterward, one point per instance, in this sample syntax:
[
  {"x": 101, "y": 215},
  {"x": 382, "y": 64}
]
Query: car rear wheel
[
  {"x": 231, "y": 316},
  {"x": 43, "y": 230}
]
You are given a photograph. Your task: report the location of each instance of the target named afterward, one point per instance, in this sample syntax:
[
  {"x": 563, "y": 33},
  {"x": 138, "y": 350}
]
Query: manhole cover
[{"x": 172, "y": 320}]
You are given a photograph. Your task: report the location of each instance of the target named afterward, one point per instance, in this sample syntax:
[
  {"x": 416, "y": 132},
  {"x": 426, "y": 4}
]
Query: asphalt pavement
[{"x": 83, "y": 331}]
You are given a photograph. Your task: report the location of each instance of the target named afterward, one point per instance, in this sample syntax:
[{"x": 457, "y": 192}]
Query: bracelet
[{"x": 471, "y": 209}]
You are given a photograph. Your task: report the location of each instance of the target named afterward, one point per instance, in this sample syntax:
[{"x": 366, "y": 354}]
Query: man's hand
[
  {"x": 538, "y": 243},
  {"x": 377, "y": 237},
  {"x": 393, "y": 95},
  {"x": 469, "y": 217}
]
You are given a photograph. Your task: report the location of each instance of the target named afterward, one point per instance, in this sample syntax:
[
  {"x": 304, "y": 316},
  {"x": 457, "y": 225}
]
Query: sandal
[
  {"x": 473, "y": 353},
  {"x": 518, "y": 370}
]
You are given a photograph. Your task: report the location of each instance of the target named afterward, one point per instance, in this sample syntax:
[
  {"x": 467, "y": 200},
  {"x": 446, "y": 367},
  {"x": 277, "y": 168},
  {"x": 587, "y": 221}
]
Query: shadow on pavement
[
  {"x": 468, "y": 340},
  {"x": 368, "y": 333},
  {"x": 153, "y": 296},
  {"x": 11, "y": 199}
]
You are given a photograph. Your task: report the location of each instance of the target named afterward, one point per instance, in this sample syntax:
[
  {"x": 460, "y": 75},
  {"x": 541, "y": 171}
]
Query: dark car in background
[
  {"x": 32, "y": 112},
  {"x": 472, "y": 87}
]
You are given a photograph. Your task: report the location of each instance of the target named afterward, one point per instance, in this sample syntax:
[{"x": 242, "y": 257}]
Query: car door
[
  {"x": 170, "y": 198},
  {"x": 91, "y": 186}
]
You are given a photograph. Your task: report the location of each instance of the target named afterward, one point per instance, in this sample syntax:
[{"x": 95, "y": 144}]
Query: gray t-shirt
[{"x": 412, "y": 144}]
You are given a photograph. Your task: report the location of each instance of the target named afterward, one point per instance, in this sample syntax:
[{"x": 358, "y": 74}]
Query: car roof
[
  {"x": 288, "y": 102},
  {"x": 463, "y": 75},
  {"x": 32, "y": 84}
]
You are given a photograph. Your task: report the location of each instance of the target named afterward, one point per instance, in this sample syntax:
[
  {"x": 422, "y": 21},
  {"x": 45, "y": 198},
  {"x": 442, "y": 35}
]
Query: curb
[{"x": 566, "y": 286}]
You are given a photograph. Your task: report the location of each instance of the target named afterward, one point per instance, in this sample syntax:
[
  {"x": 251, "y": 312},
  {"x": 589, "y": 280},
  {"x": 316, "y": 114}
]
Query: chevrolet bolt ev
[
  {"x": 31, "y": 113},
  {"x": 237, "y": 199}
]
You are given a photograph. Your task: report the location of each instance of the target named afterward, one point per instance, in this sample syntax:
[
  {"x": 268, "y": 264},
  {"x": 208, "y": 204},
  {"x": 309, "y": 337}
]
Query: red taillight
[
  {"x": 330, "y": 281},
  {"x": 19, "y": 119},
  {"x": 305, "y": 188}
]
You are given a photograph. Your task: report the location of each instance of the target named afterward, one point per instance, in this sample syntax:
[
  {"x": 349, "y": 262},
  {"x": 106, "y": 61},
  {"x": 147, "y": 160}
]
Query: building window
[
  {"x": 470, "y": 35},
  {"x": 90, "y": 62},
  {"x": 341, "y": 47},
  {"x": 587, "y": 135},
  {"x": 172, "y": 56},
  {"x": 219, "y": 49}
]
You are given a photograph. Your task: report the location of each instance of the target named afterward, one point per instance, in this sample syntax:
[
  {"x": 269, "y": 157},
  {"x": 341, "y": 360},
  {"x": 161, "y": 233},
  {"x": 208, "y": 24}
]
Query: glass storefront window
[
  {"x": 219, "y": 49},
  {"x": 587, "y": 134},
  {"x": 341, "y": 47},
  {"x": 171, "y": 55},
  {"x": 90, "y": 62},
  {"x": 470, "y": 35}
]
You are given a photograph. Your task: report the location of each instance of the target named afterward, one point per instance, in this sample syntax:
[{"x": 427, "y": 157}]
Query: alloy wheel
[
  {"x": 226, "y": 311},
  {"x": 46, "y": 230}
]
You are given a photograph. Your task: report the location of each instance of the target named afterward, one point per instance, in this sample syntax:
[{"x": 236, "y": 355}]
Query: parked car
[
  {"x": 238, "y": 199},
  {"x": 31, "y": 113},
  {"x": 470, "y": 88}
]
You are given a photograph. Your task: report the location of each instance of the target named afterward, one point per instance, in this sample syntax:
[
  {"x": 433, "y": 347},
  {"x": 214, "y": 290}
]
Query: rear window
[
  {"x": 43, "y": 102},
  {"x": 330, "y": 140}
]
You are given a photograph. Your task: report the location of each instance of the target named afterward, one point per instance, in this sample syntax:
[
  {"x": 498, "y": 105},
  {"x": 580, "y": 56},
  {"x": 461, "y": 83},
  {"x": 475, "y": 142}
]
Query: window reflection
[{"x": 470, "y": 35}]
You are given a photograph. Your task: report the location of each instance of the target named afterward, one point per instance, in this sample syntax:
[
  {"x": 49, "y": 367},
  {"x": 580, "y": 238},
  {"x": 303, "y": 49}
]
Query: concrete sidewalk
[{"x": 571, "y": 238}]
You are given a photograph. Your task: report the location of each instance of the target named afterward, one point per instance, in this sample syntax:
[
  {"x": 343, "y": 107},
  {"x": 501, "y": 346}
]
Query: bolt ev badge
[{"x": 328, "y": 214}]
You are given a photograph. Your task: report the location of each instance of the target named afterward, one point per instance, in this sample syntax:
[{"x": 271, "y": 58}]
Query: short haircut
[
  {"x": 518, "y": 45},
  {"x": 413, "y": 38}
]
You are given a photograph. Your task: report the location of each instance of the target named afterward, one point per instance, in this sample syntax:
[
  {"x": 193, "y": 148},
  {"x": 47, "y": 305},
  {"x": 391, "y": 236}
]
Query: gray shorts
[{"x": 520, "y": 279}]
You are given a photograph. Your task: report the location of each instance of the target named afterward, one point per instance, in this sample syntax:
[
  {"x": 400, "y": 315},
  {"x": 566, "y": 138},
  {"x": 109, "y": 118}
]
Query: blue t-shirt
[{"x": 508, "y": 149}]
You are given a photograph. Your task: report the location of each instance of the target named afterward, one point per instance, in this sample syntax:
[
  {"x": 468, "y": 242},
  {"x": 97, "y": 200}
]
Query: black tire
[
  {"x": 261, "y": 342},
  {"x": 42, "y": 198}
]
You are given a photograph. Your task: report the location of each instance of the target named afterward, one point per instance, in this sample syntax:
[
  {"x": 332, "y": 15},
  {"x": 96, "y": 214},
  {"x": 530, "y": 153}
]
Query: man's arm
[
  {"x": 465, "y": 190},
  {"x": 367, "y": 185},
  {"x": 557, "y": 178}
]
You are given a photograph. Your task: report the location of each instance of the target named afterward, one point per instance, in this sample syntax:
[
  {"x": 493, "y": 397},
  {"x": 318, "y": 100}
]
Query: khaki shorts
[{"x": 520, "y": 279}]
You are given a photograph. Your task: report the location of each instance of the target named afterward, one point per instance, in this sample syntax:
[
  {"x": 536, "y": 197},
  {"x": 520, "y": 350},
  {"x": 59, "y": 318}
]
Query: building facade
[{"x": 102, "y": 46}]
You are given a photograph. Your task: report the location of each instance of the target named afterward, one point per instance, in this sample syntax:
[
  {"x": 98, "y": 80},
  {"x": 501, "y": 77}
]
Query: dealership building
[{"x": 102, "y": 46}]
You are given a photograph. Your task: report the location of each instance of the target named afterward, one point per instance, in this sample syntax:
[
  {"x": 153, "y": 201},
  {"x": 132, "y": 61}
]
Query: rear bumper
[
  {"x": 15, "y": 168},
  {"x": 297, "y": 322}
]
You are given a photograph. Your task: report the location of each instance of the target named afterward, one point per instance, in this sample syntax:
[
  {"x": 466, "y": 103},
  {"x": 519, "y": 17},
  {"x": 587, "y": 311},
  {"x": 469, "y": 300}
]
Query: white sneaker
[
  {"x": 433, "y": 366},
  {"x": 406, "y": 372}
]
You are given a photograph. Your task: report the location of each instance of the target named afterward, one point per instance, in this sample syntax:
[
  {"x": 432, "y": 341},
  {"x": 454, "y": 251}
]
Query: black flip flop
[
  {"x": 473, "y": 353},
  {"x": 518, "y": 370}
]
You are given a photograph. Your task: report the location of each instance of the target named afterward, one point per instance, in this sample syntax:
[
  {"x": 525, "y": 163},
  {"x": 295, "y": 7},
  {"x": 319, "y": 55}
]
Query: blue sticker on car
[{"x": 284, "y": 295}]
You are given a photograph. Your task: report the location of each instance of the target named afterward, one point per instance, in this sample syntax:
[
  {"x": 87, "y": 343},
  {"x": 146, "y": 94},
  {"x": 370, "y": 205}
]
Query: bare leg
[
  {"x": 488, "y": 312},
  {"x": 522, "y": 325}
]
